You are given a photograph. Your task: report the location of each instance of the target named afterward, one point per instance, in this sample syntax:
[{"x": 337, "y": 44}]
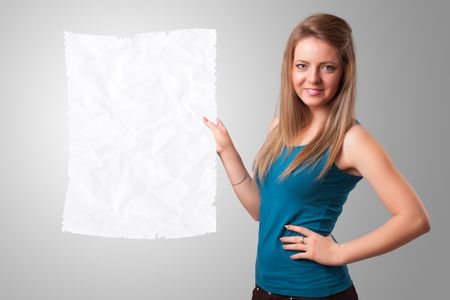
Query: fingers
[
  {"x": 296, "y": 246},
  {"x": 296, "y": 243},
  {"x": 220, "y": 124},
  {"x": 292, "y": 239},
  {"x": 211, "y": 124},
  {"x": 299, "y": 229},
  {"x": 208, "y": 122},
  {"x": 300, "y": 255}
]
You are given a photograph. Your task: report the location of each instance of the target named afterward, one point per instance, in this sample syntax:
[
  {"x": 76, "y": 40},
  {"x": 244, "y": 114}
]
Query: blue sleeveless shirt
[{"x": 303, "y": 201}]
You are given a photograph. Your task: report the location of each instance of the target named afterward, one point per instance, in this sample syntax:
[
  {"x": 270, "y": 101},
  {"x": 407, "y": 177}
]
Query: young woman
[{"x": 313, "y": 156}]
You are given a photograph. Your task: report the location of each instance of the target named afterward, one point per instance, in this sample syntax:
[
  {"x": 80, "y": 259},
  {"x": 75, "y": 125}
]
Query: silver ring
[{"x": 303, "y": 240}]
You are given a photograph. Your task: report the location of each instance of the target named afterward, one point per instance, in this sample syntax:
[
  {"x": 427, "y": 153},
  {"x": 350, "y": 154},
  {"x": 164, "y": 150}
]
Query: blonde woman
[{"x": 313, "y": 156}]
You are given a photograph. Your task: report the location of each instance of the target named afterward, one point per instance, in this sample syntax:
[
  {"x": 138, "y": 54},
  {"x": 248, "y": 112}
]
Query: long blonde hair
[{"x": 294, "y": 115}]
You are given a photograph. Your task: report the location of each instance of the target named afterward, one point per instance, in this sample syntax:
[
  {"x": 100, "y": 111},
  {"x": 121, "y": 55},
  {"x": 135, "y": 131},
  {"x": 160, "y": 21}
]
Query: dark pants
[{"x": 260, "y": 294}]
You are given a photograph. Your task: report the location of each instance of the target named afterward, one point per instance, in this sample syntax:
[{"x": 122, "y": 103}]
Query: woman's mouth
[{"x": 313, "y": 92}]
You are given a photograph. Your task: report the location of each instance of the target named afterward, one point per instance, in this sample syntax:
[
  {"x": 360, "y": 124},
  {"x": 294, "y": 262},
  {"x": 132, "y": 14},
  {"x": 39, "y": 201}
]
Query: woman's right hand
[{"x": 223, "y": 140}]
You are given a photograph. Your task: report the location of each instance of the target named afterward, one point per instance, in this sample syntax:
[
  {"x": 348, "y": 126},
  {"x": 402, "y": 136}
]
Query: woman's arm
[
  {"x": 244, "y": 186},
  {"x": 247, "y": 191},
  {"x": 409, "y": 217}
]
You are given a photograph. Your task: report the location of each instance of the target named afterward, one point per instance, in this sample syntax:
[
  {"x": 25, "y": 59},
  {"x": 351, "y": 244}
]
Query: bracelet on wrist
[{"x": 233, "y": 184}]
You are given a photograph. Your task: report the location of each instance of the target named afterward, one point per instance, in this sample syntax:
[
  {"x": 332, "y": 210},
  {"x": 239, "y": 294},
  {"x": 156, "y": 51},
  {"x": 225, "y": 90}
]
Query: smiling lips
[{"x": 314, "y": 92}]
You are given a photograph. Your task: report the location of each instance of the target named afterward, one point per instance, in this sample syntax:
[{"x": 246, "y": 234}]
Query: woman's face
[{"x": 316, "y": 71}]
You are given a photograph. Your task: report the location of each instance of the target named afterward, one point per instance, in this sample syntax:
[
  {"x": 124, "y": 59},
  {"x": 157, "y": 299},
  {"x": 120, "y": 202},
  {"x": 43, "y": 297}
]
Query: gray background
[{"x": 403, "y": 79}]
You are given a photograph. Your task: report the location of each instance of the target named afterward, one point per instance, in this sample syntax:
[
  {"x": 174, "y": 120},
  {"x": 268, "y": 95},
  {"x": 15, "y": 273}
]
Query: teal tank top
[{"x": 300, "y": 200}]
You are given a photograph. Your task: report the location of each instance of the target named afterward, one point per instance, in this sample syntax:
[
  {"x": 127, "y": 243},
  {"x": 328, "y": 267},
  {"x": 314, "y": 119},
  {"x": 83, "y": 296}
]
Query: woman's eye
[
  {"x": 300, "y": 66},
  {"x": 329, "y": 68}
]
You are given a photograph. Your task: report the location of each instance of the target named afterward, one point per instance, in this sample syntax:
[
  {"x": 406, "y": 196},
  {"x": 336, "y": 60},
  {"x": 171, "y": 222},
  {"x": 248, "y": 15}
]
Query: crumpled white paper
[{"x": 141, "y": 162}]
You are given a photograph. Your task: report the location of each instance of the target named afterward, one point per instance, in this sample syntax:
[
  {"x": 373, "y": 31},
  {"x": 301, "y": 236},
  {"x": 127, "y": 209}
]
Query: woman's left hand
[{"x": 323, "y": 250}]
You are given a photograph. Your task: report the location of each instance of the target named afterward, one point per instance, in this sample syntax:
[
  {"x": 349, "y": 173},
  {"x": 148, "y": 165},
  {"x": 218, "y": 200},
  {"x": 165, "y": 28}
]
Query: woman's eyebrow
[{"x": 324, "y": 62}]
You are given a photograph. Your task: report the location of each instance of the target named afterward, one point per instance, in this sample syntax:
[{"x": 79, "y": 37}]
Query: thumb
[{"x": 208, "y": 123}]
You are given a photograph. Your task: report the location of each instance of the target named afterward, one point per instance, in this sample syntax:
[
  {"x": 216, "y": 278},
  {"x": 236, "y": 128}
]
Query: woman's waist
[
  {"x": 272, "y": 257},
  {"x": 301, "y": 276}
]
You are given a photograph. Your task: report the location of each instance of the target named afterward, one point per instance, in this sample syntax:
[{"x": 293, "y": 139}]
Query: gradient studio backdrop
[{"x": 402, "y": 55}]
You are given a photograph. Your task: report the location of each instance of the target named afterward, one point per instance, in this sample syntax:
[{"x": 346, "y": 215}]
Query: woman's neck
[{"x": 319, "y": 117}]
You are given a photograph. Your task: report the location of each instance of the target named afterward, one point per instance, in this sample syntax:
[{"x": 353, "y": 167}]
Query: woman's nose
[{"x": 314, "y": 76}]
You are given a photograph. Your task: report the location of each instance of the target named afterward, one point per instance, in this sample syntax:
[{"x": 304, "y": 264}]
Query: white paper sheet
[{"x": 141, "y": 162}]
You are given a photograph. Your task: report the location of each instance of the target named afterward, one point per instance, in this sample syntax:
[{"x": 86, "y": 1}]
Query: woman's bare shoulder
[
  {"x": 360, "y": 148},
  {"x": 357, "y": 134},
  {"x": 343, "y": 160}
]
